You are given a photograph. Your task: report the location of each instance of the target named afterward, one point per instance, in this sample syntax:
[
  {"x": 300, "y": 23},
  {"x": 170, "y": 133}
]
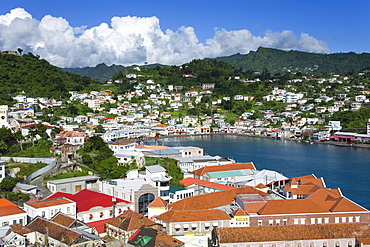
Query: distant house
[{"x": 206, "y": 86}]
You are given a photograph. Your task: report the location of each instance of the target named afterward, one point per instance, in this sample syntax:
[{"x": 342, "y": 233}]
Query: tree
[
  {"x": 20, "y": 50},
  {"x": 20, "y": 138},
  {"x": 32, "y": 133},
  {"x": 7, "y": 184}
]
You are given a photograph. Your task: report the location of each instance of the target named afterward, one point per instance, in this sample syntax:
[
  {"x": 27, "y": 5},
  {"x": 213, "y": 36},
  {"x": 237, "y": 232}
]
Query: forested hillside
[
  {"x": 103, "y": 72},
  {"x": 37, "y": 77},
  {"x": 100, "y": 72},
  {"x": 278, "y": 61},
  {"x": 264, "y": 60}
]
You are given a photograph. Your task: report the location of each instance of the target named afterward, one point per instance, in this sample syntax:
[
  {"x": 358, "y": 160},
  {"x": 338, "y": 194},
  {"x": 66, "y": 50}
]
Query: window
[
  {"x": 336, "y": 220},
  {"x": 344, "y": 219},
  {"x": 43, "y": 214},
  {"x": 68, "y": 210},
  {"x": 277, "y": 222},
  {"x": 296, "y": 221},
  {"x": 285, "y": 222},
  {"x": 177, "y": 228},
  {"x": 14, "y": 222},
  {"x": 193, "y": 227},
  {"x": 6, "y": 223},
  {"x": 313, "y": 220},
  {"x": 303, "y": 221},
  {"x": 271, "y": 222},
  {"x": 52, "y": 212},
  {"x": 144, "y": 201},
  {"x": 319, "y": 220},
  {"x": 21, "y": 221},
  {"x": 260, "y": 223},
  {"x": 186, "y": 227},
  {"x": 350, "y": 219},
  {"x": 326, "y": 220},
  {"x": 357, "y": 219}
]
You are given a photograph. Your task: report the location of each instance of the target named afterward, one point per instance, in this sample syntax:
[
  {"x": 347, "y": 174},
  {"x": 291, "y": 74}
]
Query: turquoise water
[{"x": 345, "y": 167}]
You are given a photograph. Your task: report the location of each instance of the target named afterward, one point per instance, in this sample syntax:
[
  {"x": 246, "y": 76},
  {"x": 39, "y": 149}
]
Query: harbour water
[{"x": 345, "y": 167}]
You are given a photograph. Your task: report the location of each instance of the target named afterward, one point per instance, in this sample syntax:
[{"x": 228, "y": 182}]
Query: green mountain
[
  {"x": 102, "y": 72},
  {"x": 279, "y": 61},
  {"x": 37, "y": 77}
]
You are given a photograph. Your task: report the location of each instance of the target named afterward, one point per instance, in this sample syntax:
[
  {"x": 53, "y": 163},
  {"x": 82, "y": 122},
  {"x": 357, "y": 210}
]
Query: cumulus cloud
[{"x": 133, "y": 40}]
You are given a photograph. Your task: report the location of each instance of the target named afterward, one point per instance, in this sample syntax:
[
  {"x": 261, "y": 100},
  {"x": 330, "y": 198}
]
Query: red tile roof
[
  {"x": 190, "y": 181},
  {"x": 99, "y": 225},
  {"x": 291, "y": 206},
  {"x": 86, "y": 199}
]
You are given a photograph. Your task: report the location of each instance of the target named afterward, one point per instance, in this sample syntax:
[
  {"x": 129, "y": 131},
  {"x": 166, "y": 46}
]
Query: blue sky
[{"x": 197, "y": 28}]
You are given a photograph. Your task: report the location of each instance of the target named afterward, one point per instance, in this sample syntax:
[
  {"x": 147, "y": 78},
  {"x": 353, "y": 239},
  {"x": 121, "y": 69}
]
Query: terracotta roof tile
[
  {"x": 56, "y": 231},
  {"x": 49, "y": 202},
  {"x": 291, "y": 206},
  {"x": 239, "y": 212},
  {"x": 213, "y": 200},
  {"x": 294, "y": 232},
  {"x": 10, "y": 210},
  {"x": 21, "y": 230},
  {"x": 63, "y": 220},
  {"x": 158, "y": 203},
  {"x": 193, "y": 215},
  {"x": 130, "y": 220}
]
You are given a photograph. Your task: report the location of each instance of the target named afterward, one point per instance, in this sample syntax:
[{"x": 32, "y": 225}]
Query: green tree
[{"x": 7, "y": 184}]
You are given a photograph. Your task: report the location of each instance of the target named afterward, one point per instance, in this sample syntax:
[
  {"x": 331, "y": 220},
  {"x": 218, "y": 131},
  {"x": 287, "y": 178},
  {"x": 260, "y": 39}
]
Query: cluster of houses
[{"x": 221, "y": 203}]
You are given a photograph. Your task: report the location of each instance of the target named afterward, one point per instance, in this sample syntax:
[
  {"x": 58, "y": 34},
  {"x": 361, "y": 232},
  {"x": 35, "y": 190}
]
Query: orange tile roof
[
  {"x": 239, "y": 212},
  {"x": 6, "y": 202},
  {"x": 293, "y": 232},
  {"x": 291, "y": 206},
  {"x": 10, "y": 210},
  {"x": 190, "y": 181},
  {"x": 158, "y": 203},
  {"x": 227, "y": 167},
  {"x": 49, "y": 203},
  {"x": 213, "y": 200},
  {"x": 154, "y": 147},
  {"x": 261, "y": 186},
  {"x": 193, "y": 215}
]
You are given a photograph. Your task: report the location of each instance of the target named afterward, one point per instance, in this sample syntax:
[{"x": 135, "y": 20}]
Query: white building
[
  {"x": 11, "y": 214},
  {"x": 48, "y": 208}
]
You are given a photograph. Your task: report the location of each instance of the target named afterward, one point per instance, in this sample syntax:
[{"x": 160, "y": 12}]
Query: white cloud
[{"x": 133, "y": 40}]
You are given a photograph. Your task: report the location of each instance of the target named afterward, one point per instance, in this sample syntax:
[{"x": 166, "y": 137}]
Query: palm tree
[{"x": 20, "y": 138}]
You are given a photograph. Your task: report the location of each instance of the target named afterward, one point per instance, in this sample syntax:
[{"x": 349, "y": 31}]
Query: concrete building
[{"x": 73, "y": 185}]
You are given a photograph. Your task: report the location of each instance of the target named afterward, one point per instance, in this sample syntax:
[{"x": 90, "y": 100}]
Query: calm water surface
[{"x": 346, "y": 168}]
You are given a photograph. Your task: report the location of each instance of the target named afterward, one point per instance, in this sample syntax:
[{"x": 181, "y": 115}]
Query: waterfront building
[{"x": 188, "y": 164}]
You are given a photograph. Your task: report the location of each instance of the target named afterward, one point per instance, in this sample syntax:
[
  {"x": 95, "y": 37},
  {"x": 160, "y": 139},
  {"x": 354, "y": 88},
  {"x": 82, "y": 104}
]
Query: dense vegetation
[
  {"x": 278, "y": 61},
  {"x": 99, "y": 157},
  {"x": 36, "y": 77},
  {"x": 264, "y": 59},
  {"x": 103, "y": 72}
]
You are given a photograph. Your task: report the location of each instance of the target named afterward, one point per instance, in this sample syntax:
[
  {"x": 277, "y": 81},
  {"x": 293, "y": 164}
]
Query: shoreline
[{"x": 335, "y": 143}]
